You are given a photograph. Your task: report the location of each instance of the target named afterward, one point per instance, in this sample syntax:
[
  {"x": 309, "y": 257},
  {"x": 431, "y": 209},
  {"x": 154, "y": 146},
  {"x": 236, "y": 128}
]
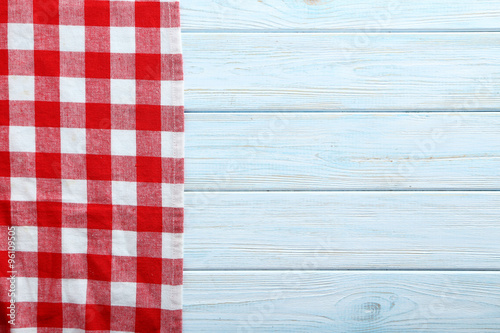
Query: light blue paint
[
  {"x": 342, "y": 230},
  {"x": 342, "y": 151},
  {"x": 342, "y": 72},
  {"x": 429, "y": 260},
  {"x": 340, "y": 15},
  {"x": 341, "y": 301}
]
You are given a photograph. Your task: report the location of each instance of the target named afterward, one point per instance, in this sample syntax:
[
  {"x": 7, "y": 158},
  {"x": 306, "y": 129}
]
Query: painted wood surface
[
  {"x": 332, "y": 151},
  {"x": 336, "y": 301},
  {"x": 376, "y": 126},
  {"x": 341, "y": 72},
  {"x": 342, "y": 230},
  {"x": 339, "y": 15}
]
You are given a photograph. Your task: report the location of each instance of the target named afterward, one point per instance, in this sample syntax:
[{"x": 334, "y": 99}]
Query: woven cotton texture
[{"x": 91, "y": 165}]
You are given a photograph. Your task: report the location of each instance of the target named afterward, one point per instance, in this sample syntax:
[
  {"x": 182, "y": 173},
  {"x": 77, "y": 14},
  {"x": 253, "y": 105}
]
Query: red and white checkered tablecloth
[{"x": 91, "y": 166}]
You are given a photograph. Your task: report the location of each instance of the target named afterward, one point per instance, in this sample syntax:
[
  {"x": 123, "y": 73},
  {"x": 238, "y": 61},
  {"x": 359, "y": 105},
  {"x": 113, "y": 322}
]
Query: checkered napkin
[{"x": 91, "y": 166}]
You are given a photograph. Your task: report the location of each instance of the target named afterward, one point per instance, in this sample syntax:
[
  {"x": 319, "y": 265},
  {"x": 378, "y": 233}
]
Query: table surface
[{"x": 342, "y": 165}]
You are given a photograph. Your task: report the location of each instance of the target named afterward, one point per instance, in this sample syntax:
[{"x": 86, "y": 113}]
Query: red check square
[
  {"x": 148, "y": 319},
  {"x": 149, "y": 270},
  {"x": 149, "y": 219},
  {"x": 97, "y": 13},
  {"x": 99, "y": 167},
  {"x": 4, "y": 164},
  {"x": 147, "y": 14},
  {"x": 99, "y": 267},
  {"x": 47, "y": 63},
  {"x": 99, "y": 216},
  {"x": 45, "y": 11},
  {"x": 48, "y": 165},
  {"x": 49, "y": 314},
  {"x": 148, "y": 117},
  {"x": 4, "y": 115},
  {"x": 148, "y": 169},
  {"x": 4, "y": 62},
  {"x": 97, "y": 317},
  {"x": 98, "y": 116},
  {"x": 47, "y": 114},
  {"x": 49, "y": 263},
  {"x": 148, "y": 66},
  {"x": 97, "y": 65},
  {"x": 49, "y": 214}
]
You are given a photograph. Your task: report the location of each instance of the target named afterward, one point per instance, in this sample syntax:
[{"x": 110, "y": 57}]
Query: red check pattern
[{"x": 92, "y": 165}]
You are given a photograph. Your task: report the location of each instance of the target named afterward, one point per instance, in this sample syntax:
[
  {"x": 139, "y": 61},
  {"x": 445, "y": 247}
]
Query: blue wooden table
[{"x": 342, "y": 165}]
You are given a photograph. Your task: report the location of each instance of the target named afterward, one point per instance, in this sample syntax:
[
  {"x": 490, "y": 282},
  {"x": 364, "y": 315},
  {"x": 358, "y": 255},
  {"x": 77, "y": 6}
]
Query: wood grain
[
  {"x": 363, "y": 302},
  {"x": 341, "y": 72},
  {"x": 364, "y": 15},
  {"x": 342, "y": 230},
  {"x": 332, "y": 151},
  {"x": 368, "y": 187}
]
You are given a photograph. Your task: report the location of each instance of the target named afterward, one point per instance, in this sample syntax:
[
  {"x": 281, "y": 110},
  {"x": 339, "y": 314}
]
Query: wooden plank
[
  {"x": 342, "y": 230},
  {"x": 324, "y": 301},
  {"x": 341, "y": 72},
  {"x": 364, "y": 15},
  {"x": 332, "y": 151}
]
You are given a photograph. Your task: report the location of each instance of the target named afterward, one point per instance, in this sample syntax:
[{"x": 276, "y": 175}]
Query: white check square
[
  {"x": 22, "y": 139},
  {"x": 74, "y": 191},
  {"x": 74, "y": 240},
  {"x": 26, "y": 239},
  {"x": 172, "y": 144},
  {"x": 172, "y": 245},
  {"x": 123, "y": 142},
  {"x": 122, "y": 91},
  {"x": 26, "y": 330},
  {"x": 124, "y": 193},
  {"x": 22, "y": 189},
  {"x": 124, "y": 243},
  {"x": 122, "y": 39},
  {"x": 20, "y": 36},
  {"x": 73, "y": 141},
  {"x": 72, "y": 89},
  {"x": 27, "y": 289},
  {"x": 172, "y": 195},
  {"x": 21, "y": 88},
  {"x": 74, "y": 291},
  {"x": 170, "y": 40},
  {"x": 171, "y": 297},
  {"x": 172, "y": 93},
  {"x": 71, "y": 38},
  {"x": 123, "y": 294}
]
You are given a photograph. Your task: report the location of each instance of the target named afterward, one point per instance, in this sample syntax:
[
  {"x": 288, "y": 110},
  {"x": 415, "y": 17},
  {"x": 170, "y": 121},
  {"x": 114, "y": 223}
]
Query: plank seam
[
  {"x": 338, "y": 31},
  {"x": 466, "y": 190},
  {"x": 351, "y": 270}
]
